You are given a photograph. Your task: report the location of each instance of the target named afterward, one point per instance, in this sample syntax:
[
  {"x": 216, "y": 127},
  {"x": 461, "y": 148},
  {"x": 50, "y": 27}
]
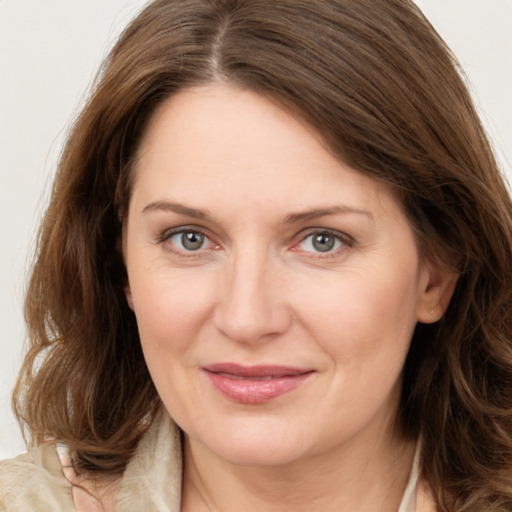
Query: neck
[{"x": 356, "y": 478}]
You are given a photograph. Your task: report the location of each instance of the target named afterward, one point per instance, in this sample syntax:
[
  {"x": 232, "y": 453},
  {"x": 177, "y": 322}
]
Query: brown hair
[{"x": 379, "y": 84}]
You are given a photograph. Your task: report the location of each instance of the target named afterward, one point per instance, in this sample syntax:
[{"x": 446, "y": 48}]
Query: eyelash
[
  {"x": 168, "y": 234},
  {"x": 342, "y": 238}
]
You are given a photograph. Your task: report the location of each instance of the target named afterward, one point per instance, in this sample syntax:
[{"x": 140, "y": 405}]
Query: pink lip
[{"x": 255, "y": 384}]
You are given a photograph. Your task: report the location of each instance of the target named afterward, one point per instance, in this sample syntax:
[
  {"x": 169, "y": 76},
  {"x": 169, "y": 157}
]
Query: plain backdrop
[{"x": 49, "y": 53}]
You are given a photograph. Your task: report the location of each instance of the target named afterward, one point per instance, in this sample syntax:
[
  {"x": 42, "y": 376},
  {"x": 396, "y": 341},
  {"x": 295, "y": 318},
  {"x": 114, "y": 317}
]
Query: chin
[
  {"x": 258, "y": 454},
  {"x": 268, "y": 445}
]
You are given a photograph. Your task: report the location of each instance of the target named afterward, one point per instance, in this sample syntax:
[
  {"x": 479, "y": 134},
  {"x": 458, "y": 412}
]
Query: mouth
[{"x": 255, "y": 384}]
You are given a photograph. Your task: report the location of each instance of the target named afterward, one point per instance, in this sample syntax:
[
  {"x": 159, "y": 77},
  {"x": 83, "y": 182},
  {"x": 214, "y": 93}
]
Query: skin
[{"x": 259, "y": 184}]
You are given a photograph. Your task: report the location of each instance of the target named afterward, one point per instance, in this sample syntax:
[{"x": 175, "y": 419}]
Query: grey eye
[
  {"x": 189, "y": 240},
  {"x": 321, "y": 242}
]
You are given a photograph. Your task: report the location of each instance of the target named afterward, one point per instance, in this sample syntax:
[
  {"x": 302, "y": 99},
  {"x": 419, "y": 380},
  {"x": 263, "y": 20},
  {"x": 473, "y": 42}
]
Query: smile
[{"x": 255, "y": 384}]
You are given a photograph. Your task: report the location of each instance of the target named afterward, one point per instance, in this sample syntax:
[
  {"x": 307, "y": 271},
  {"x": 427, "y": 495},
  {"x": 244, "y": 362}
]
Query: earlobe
[{"x": 438, "y": 285}]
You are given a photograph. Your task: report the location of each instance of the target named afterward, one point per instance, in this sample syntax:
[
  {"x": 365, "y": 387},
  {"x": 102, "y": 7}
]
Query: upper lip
[{"x": 255, "y": 371}]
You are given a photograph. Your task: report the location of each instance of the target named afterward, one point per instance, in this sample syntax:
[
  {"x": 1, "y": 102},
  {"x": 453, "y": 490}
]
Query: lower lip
[{"x": 252, "y": 391}]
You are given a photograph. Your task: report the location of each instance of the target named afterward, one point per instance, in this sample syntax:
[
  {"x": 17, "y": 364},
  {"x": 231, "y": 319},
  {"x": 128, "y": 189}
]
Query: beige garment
[
  {"x": 151, "y": 482},
  {"x": 416, "y": 497}
]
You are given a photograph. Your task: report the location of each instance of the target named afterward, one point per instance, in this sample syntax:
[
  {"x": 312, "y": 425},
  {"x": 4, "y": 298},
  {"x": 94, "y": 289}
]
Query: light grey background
[{"x": 49, "y": 52}]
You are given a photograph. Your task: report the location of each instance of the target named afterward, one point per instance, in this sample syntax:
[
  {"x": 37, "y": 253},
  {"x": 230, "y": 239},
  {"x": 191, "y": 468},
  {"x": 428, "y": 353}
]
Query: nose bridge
[{"x": 252, "y": 305}]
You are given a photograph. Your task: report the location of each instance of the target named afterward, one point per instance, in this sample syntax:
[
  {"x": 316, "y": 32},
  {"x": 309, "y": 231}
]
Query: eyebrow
[
  {"x": 298, "y": 217},
  {"x": 181, "y": 209},
  {"x": 292, "y": 218}
]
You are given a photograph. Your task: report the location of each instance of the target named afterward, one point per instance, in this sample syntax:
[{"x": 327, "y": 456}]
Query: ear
[
  {"x": 121, "y": 249},
  {"x": 436, "y": 289},
  {"x": 128, "y": 295}
]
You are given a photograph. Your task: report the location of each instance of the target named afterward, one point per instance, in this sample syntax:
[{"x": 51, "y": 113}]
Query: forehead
[
  {"x": 227, "y": 119},
  {"x": 206, "y": 142}
]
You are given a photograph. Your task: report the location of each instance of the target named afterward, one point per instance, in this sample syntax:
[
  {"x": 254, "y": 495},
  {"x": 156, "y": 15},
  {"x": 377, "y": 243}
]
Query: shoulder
[{"x": 34, "y": 481}]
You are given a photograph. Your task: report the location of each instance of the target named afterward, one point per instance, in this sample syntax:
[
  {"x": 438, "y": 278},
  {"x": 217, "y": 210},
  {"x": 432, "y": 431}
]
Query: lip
[{"x": 255, "y": 384}]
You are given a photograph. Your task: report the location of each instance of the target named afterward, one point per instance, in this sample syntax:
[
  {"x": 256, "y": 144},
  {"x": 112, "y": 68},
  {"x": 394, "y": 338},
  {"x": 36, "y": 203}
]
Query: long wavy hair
[{"x": 381, "y": 87}]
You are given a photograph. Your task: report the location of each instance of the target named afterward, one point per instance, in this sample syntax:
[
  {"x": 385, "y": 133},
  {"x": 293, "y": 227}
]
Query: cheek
[
  {"x": 171, "y": 308},
  {"x": 363, "y": 315}
]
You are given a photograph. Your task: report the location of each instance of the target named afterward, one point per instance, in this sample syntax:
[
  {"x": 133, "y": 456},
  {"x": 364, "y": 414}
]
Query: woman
[{"x": 281, "y": 225}]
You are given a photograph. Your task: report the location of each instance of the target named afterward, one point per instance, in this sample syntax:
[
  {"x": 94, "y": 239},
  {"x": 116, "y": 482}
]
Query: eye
[
  {"x": 189, "y": 240},
  {"x": 321, "y": 242}
]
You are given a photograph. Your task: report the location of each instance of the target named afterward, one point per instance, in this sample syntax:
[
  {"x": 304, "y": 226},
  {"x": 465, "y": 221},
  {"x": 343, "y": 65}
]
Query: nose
[{"x": 252, "y": 304}]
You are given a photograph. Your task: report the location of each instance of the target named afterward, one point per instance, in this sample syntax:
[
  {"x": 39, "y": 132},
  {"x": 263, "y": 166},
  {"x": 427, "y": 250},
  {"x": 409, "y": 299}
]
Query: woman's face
[{"x": 276, "y": 290}]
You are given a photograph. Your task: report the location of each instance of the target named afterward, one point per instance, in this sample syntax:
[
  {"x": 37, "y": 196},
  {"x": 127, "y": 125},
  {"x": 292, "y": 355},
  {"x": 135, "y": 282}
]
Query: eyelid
[
  {"x": 346, "y": 240},
  {"x": 167, "y": 234}
]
